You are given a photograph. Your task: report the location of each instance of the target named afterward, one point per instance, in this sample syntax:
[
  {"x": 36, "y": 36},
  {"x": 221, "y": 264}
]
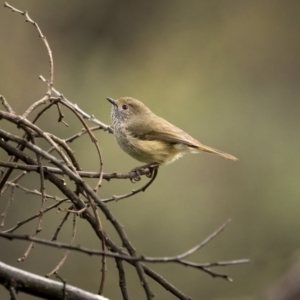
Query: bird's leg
[{"x": 152, "y": 167}]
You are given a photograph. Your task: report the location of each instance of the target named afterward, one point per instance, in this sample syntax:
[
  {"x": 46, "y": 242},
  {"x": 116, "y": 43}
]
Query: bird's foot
[{"x": 138, "y": 170}]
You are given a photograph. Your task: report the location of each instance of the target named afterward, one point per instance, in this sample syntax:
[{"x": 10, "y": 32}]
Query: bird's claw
[
  {"x": 137, "y": 170},
  {"x": 137, "y": 177},
  {"x": 150, "y": 173}
]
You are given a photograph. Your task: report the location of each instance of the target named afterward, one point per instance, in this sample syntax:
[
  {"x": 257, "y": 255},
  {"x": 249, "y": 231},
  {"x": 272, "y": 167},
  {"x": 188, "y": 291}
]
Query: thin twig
[
  {"x": 33, "y": 192},
  {"x": 21, "y": 223},
  {"x": 133, "y": 192},
  {"x": 6, "y": 105},
  {"x": 28, "y": 19},
  {"x": 81, "y": 133},
  {"x": 42, "y": 191},
  {"x": 61, "y": 116},
  {"x": 72, "y": 211},
  {"x": 36, "y": 104},
  {"x": 13, "y": 292},
  {"x": 59, "y": 265},
  {"x": 26, "y": 253},
  {"x": 14, "y": 180},
  {"x": 64, "y": 285},
  {"x": 60, "y": 226},
  {"x": 149, "y": 259},
  {"x": 203, "y": 243},
  {"x": 10, "y": 200}
]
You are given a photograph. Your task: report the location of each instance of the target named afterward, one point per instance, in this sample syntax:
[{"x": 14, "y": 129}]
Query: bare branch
[
  {"x": 84, "y": 174},
  {"x": 85, "y": 115},
  {"x": 122, "y": 279},
  {"x": 42, "y": 287},
  {"x": 171, "y": 259}
]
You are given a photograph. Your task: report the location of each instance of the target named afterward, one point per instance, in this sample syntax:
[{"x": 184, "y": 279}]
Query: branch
[
  {"x": 79, "y": 204},
  {"x": 42, "y": 287},
  {"x": 84, "y": 174},
  {"x": 171, "y": 259},
  {"x": 85, "y": 115}
]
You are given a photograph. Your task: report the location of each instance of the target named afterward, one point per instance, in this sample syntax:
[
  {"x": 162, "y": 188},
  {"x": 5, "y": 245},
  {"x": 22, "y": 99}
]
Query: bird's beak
[{"x": 112, "y": 101}]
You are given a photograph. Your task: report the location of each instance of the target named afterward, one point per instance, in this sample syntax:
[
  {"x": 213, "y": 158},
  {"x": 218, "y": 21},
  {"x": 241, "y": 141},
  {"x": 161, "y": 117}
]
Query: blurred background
[{"x": 227, "y": 72}]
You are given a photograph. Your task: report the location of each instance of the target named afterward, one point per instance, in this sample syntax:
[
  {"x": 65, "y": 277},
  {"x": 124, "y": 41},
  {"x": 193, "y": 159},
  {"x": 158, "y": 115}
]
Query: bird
[{"x": 149, "y": 138}]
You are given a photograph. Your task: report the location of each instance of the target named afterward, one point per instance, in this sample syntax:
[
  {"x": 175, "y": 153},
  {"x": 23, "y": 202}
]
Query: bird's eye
[{"x": 124, "y": 106}]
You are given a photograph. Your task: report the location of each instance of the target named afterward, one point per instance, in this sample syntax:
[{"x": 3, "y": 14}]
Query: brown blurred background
[{"x": 228, "y": 73}]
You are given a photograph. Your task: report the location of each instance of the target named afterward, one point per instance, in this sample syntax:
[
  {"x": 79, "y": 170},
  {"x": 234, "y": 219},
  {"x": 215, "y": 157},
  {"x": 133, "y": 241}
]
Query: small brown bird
[{"x": 149, "y": 138}]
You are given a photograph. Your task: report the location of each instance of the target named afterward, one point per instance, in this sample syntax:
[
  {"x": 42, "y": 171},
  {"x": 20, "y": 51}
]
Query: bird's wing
[{"x": 161, "y": 130}]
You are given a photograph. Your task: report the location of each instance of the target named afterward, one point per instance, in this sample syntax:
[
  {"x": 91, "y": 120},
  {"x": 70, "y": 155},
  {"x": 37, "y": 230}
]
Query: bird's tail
[{"x": 217, "y": 152}]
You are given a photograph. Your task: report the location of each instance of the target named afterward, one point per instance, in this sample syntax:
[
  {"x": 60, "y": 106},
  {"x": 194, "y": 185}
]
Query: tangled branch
[{"x": 54, "y": 164}]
